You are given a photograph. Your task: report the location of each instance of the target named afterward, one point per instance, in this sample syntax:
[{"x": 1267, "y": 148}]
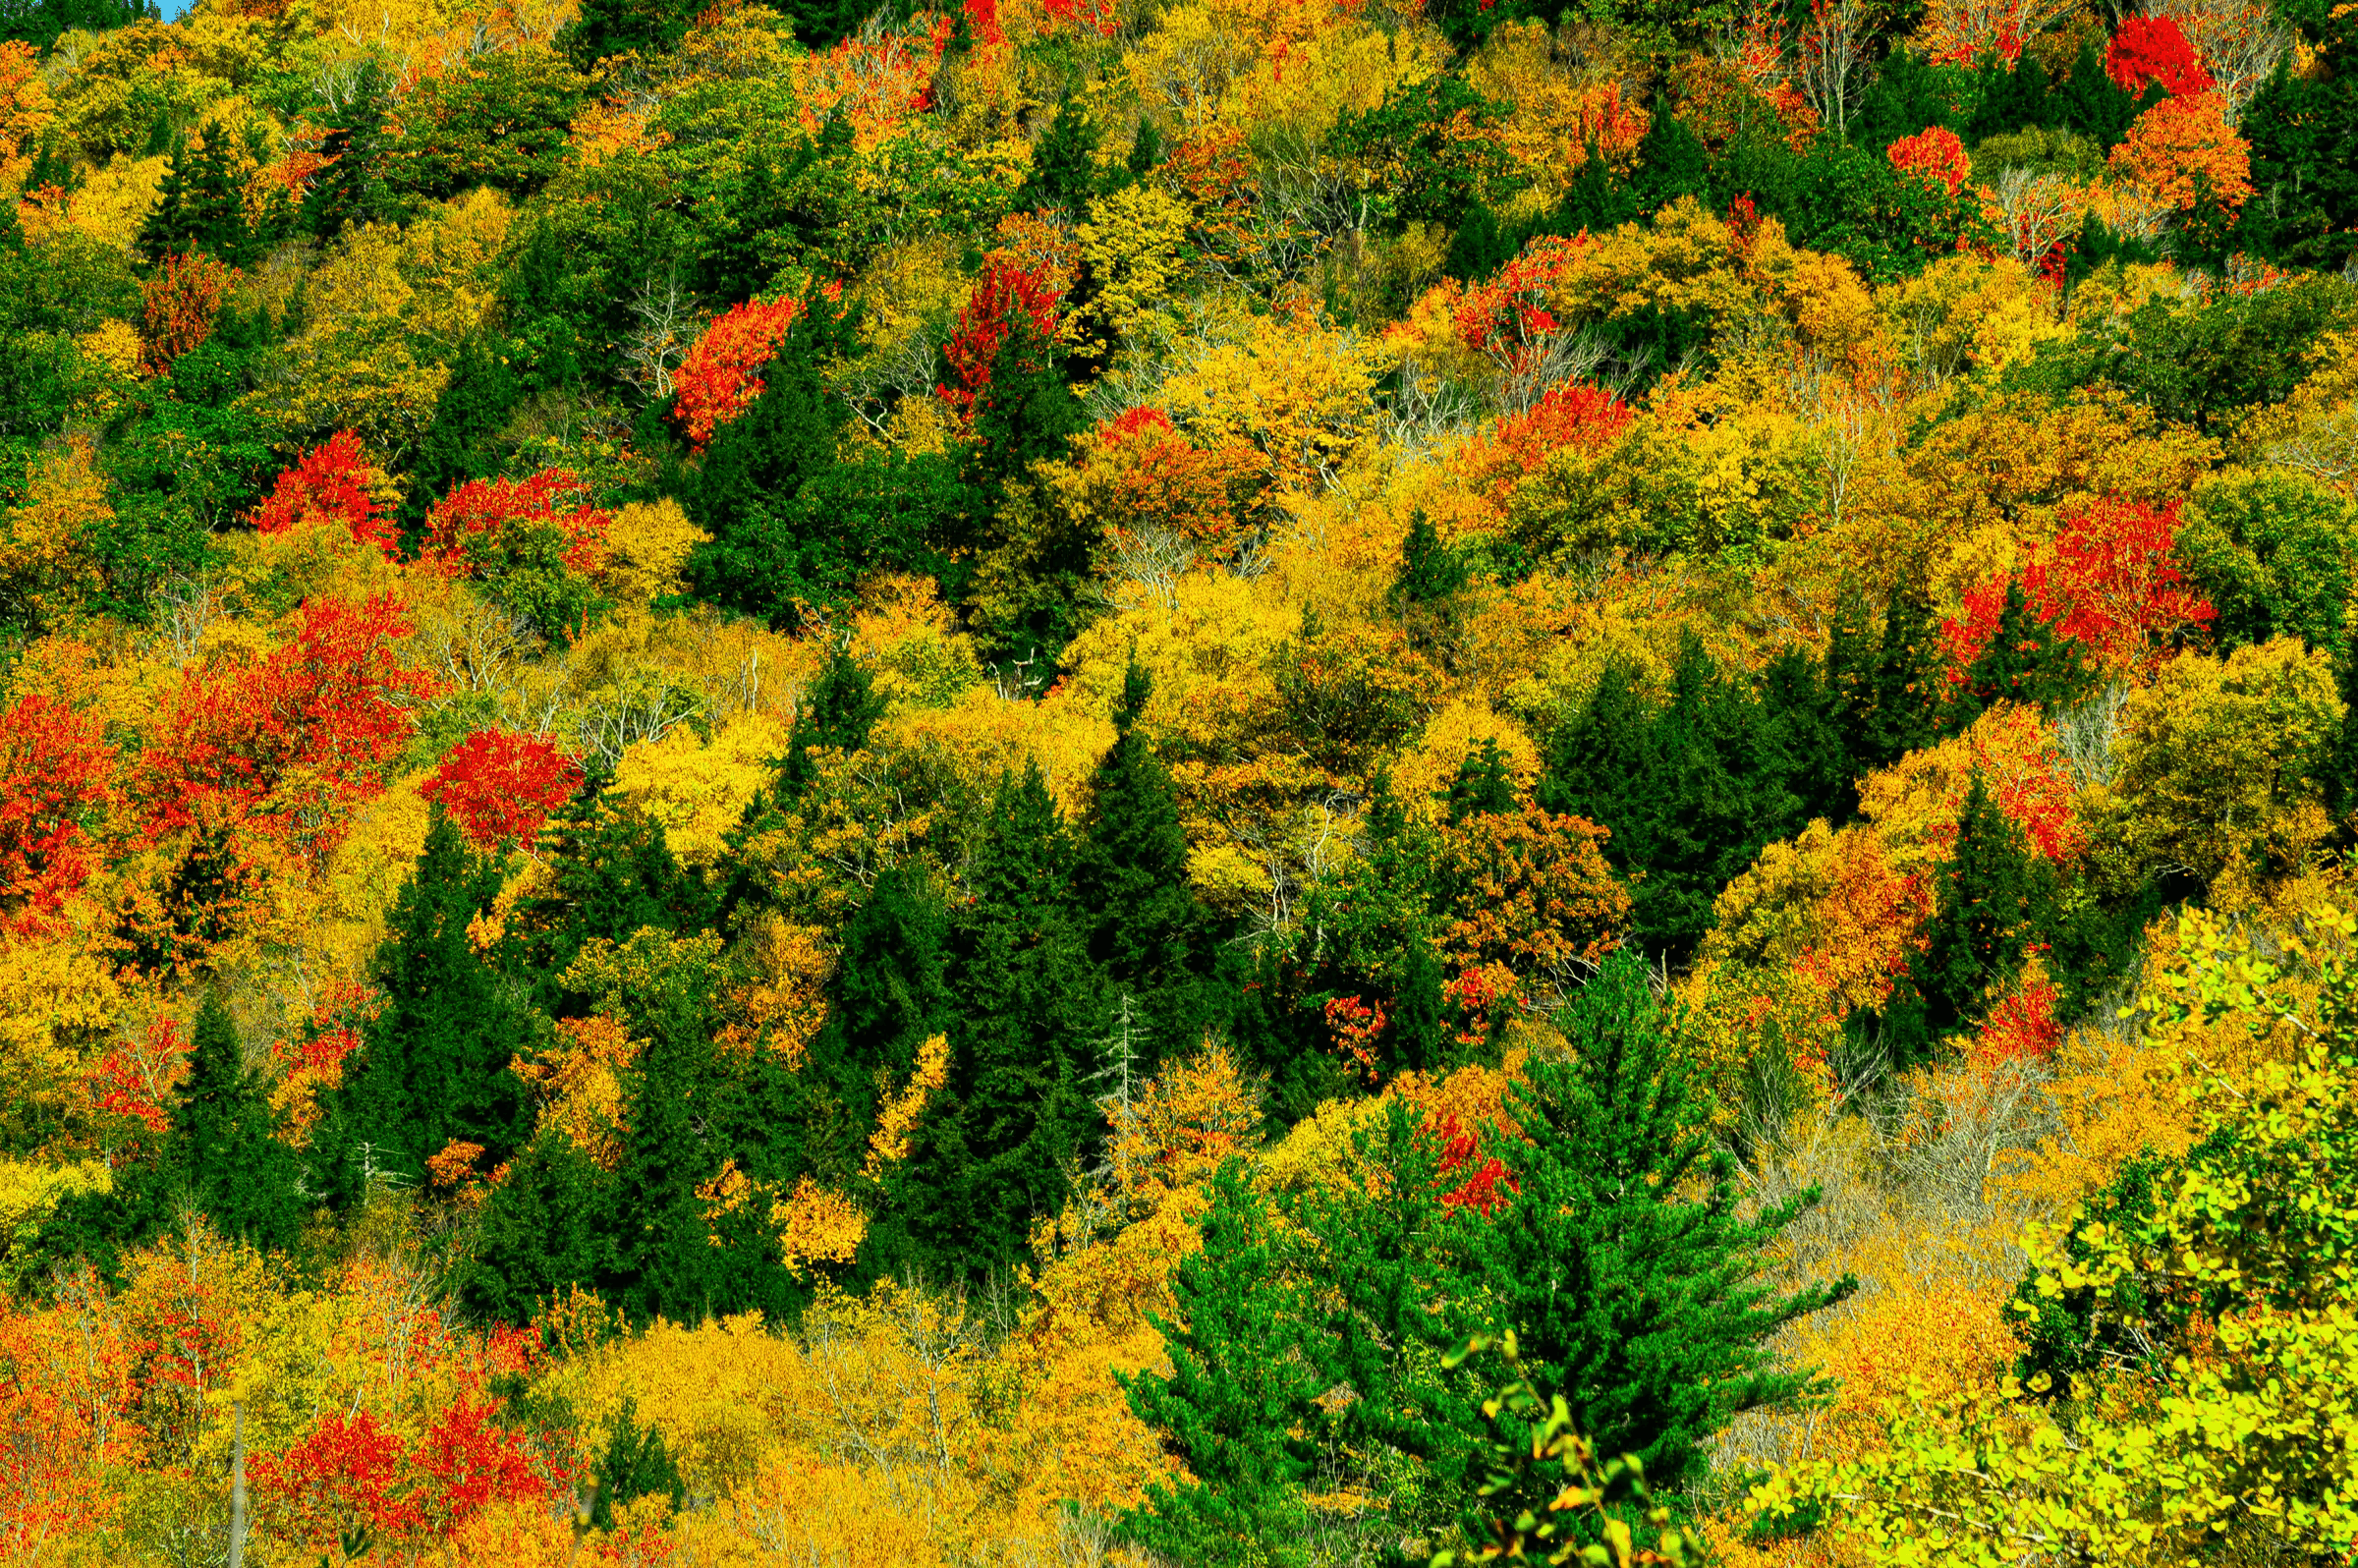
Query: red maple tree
[
  {"x": 721, "y": 375},
  {"x": 177, "y": 306},
  {"x": 286, "y": 741},
  {"x": 330, "y": 483},
  {"x": 500, "y": 786},
  {"x": 2111, "y": 581},
  {"x": 56, "y": 780},
  {"x": 2149, "y": 49},
  {"x": 1933, "y": 153}
]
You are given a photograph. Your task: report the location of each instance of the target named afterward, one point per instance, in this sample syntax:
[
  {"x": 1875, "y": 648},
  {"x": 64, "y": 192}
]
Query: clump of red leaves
[
  {"x": 56, "y": 776},
  {"x": 330, "y": 483},
  {"x": 1934, "y": 153},
  {"x": 1005, "y": 294},
  {"x": 2149, "y": 49},
  {"x": 482, "y": 518},
  {"x": 500, "y": 786},
  {"x": 721, "y": 376}
]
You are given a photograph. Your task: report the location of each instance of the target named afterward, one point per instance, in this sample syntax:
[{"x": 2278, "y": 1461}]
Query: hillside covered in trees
[{"x": 1178, "y": 782}]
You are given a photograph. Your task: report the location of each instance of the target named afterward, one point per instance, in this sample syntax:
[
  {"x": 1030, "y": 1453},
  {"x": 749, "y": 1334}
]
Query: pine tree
[
  {"x": 1482, "y": 786},
  {"x": 548, "y": 1225},
  {"x": 1129, "y": 880},
  {"x": 432, "y": 1069},
  {"x": 769, "y": 555},
  {"x": 351, "y": 186},
  {"x": 1993, "y": 893},
  {"x": 637, "y": 1464},
  {"x": 2025, "y": 661},
  {"x": 836, "y": 712},
  {"x": 1064, "y": 166},
  {"x": 1014, "y": 1112},
  {"x": 2340, "y": 768},
  {"x": 608, "y": 871},
  {"x": 1146, "y": 149},
  {"x": 1230, "y": 1408},
  {"x": 1807, "y": 737},
  {"x": 1624, "y": 1262},
  {"x": 1902, "y": 710},
  {"x": 1672, "y": 162},
  {"x": 224, "y": 1145}
]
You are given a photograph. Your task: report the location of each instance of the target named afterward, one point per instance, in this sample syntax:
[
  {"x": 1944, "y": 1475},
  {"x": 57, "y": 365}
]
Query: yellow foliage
[
  {"x": 647, "y": 545},
  {"x": 1302, "y": 394},
  {"x": 888, "y": 1144},
  {"x": 1132, "y": 241},
  {"x": 47, "y": 567},
  {"x": 578, "y": 1083},
  {"x": 782, "y": 995},
  {"x": 699, "y": 788},
  {"x": 1965, "y": 312},
  {"x": 2217, "y": 760},
  {"x": 1422, "y": 775}
]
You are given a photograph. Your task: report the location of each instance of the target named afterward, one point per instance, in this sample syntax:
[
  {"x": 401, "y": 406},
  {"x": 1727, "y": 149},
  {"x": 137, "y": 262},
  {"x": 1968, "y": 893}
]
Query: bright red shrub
[
  {"x": 1004, "y": 293},
  {"x": 1483, "y": 1182},
  {"x": 471, "y": 1462},
  {"x": 56, "y": 777},
  {"x": 721, "y": 376},
  {"x": 1933, "y": 153},
  {"x": 2149, "y": 49},
  {"x": 1575, "y": 414},
  {"x": 332, "y": 481},
  {"x": 1507, "y": 318},
  {"x": 2021, "y": 1028},
  {"x": 136, "y": 1076},
  {"x": 500, "y": 786}
]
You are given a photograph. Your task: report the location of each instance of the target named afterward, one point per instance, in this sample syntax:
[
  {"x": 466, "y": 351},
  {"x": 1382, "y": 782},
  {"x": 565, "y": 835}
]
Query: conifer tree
[
  {"x": 432, "y": 1069},
  {"x": 350, "y": 188},
  {"x": 1231, "y": 1407},
  {"x": 228, "y": 1157},
  {"x": 1064, "y": 163},
  {"x": 836, "y": 711},
  {"x": 1902, "y": 711},
  {"x": 1014, "y": 1114},
  {"x": 1993, "y": 893},
  {"x": 1146, "y": 149},
  {"x": 1624, "y": 1262},
  {"x": 2340, "y": 768},
  {"x": 1806, "y": 740},
  {"x": 1672, "y": 162},
  {"x": 609, "y": 872},
  {"x": 1147, "y": 934},
  {"x": 2025, "y": 661},
  {"x": 1482, "y": 786}
]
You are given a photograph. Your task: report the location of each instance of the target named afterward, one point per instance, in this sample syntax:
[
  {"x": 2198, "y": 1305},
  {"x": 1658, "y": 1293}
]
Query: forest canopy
[{"x": 1279, "y": 782}]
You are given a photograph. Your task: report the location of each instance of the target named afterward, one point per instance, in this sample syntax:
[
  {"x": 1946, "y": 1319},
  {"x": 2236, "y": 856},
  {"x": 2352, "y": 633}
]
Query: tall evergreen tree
[
  {"x": 351, "y": 186},
  {"x": 1625, "y": 1263},
  {"x": 769, "y": 555},
  {"x": 609, "y": 872},
  {"x": 1993, "y": 893},
  {"x": 1902, "y": 712},
  {"x": 836, "y": 711},
  {"x": 1064, "y": 163},
  {"x": 432, "y": 1069},
  {"x": 1147, "y": 934},
  {"x": 2340, "y": 768},
  {"x": 1015, "y": 1112},
  {"x": 1482, "y": 786},
  {"x": 2026, "y": 661},
  {"x": 224, "y": 1140}
]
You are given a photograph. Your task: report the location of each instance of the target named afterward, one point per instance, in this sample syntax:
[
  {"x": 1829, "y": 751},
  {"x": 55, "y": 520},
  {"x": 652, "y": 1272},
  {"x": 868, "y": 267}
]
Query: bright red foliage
[
  {"x": 2111, "y": 581},
  {"x": 2022, "y": 1027},
  {"x": 341, "y": 1474},
  {"x": 500, "y": 786},
  {"x": 1095, "y": 15},
  {"x": 1575, "y": 414},
  {"x": 1507, "y": 318},
  {"x": 721, "y": 376},
  {"x": 471, "y": 1462},
  {"x": 1933, "y": 153},
  {"x": 1003, "y": 294},
  {"x": 1485, "y": 1182},
  {"x": 482, "y": 516},
  {"x": 136, "y": 1076},
  {"x": 291, "y": 739},
  {"x": 56, "y": 773},
  {"x": 2150, "y": 49},
  {"x": 332, "y": 481}
]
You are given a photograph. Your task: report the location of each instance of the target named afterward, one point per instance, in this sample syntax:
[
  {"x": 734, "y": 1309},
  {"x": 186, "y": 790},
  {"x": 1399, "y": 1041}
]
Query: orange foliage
[
  {"x": 178, "y": 306},
  {"x": 1140, "y": 472},
  {"x": 721, "y": 375},
  {"x": 1915, "y": 803},
  {"x": 136, "y": 1076},
  {"x": 2111, "y": 581},
  {"x": 1532, "y": 892},
  {"x": 334, "y": 483},
  {"x": 1507, "y": 319},
  {"x": 2179, "y": 139}
]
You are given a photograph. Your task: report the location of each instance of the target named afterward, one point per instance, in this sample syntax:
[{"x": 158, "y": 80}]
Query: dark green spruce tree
[
  {"x": 1064, "y": 163},
  {"x": 231, "y": 1163},
  {"x": 1016, "y": 1110},
  {"x": 432, "y": 1069},
  {"x": 835, "y": 712},
  {"x": 1993, "y": 894},
  {"x": 1147, "y": 934},
  {"x": 2026, "y": 661}
]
